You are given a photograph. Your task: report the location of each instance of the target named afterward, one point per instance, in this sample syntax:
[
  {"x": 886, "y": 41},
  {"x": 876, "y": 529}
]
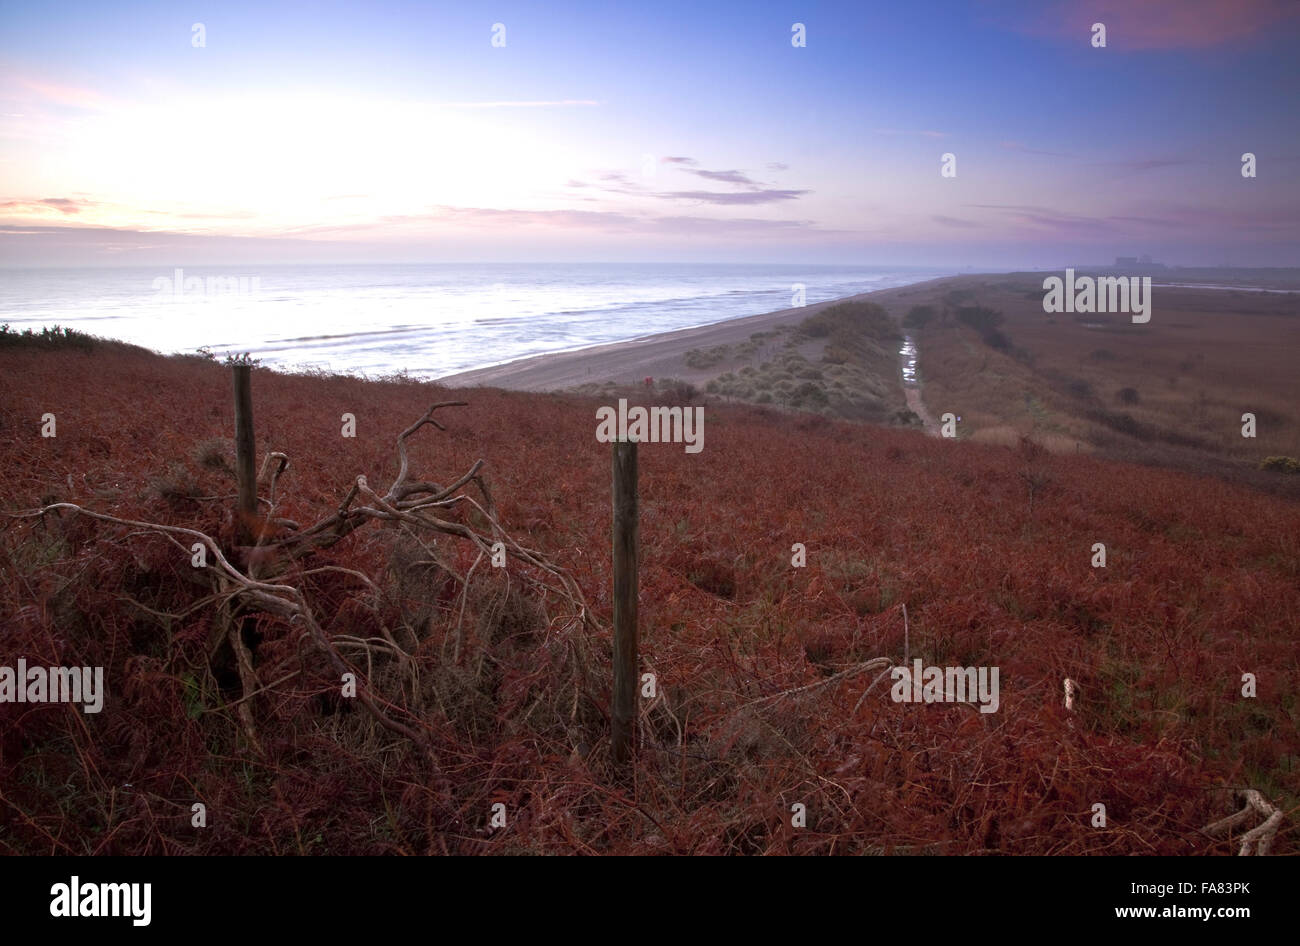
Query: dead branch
[
  {"x": 1261, "y": 836},
  {"x": 873, "y": 664},
  {"x": 414, "y": 505}
]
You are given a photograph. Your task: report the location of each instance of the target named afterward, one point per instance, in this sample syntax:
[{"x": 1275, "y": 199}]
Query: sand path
[{"x": 917, "y": 407}]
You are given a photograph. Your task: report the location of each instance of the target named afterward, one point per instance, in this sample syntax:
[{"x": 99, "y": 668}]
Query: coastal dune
[
  {"x": 654, "y": 356},
  {"x": 1170, "y": 392}
]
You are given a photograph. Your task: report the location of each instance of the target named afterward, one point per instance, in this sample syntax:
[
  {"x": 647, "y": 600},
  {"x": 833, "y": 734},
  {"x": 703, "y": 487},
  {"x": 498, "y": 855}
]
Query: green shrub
[
  {"x": 919, "y": 316},
  {"x": 1078, "y": 387},
  {"x": 51, "y": 336},
  {"x": 809, "y": 394},
  {"x": 847, "y": 322},
  {"x": 1280, "y": 465},
  {"x": 677, "y": 391},
  {"x": 706, "y": 358},
  {"x": 985, "y": 321},
  {"x": 980, "y": 318}
]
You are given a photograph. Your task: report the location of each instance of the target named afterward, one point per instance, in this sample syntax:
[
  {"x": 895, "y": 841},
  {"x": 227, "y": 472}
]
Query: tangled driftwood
[{"x": 412, "y": 504}]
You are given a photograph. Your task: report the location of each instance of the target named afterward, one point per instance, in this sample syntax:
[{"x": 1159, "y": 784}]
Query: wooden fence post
[
  {"x": 246, "y": 511},
  {"x": 622, "y": 731}
]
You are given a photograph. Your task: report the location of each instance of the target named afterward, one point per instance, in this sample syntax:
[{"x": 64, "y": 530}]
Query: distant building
[{"x": 1143, "y": 262}]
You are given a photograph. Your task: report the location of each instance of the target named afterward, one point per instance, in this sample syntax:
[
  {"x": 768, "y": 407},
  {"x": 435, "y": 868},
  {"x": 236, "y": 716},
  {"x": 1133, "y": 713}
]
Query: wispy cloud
[
  {"x": 727, "y": 177},
  {"x": 527, "y": 103},
  {"x": 751, "y": 192},
  {"x": 759, "y": 196},
  {"x": 899, "y": 131},
  {"x": 43, "y": 206},
  {"x": 610, "y": 221},
  {"x": 1146, "y": 164},
  {"x": 1046, "y": 218},
  {"x": 1147, "y": 221},
  {"x": 580, "y": 219},
  {"x": 1022, "y": 148},
  {"x": 57, "y": 93},
  {"x": 754, "y": 192},
  {"x": 1282, "y": 220}
]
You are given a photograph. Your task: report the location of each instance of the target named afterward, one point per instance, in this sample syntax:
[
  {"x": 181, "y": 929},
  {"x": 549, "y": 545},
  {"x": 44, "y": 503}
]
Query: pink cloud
[
  {"x": 64, "y": 94},
  {"x": 1155, "y": 24},
  {"x": 44, "y": 206}
]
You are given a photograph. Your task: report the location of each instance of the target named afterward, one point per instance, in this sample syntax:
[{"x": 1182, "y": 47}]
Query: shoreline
[{"x": 656, "y": 355}]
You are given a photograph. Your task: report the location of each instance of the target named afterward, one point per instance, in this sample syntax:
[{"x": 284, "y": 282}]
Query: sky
[{"x": 173, "y": 133}]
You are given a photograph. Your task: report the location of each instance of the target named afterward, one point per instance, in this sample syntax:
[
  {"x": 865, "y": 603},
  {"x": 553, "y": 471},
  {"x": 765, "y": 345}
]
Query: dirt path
[
  {"x": 917, "y": 407},
  {"x": 909, "y": 358}
]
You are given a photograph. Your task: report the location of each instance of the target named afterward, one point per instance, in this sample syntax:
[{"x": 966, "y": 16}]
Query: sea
[{"x": 427, "y": 320}]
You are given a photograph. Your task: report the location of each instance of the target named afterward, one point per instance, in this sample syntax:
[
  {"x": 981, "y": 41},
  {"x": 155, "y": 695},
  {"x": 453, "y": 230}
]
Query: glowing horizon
[{"x": 653, "y": 134}]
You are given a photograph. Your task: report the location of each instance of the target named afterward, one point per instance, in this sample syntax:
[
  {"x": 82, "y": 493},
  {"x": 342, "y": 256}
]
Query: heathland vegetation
[
  {"x": 498, "y": 678},
  {"x": 841, "y": 361},
  {"x": 1170, "y": 392}
]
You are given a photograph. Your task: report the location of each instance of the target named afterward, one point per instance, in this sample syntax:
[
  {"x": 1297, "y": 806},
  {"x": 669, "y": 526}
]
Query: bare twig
[
  {"x": 414, "y": 505},
  {"x": 1260, "y": 838}
]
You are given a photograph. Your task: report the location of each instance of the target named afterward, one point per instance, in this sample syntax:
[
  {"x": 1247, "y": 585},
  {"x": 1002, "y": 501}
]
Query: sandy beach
[
  {"x": 656, "y": 356},
  {"x": 1162, "y": 392}
]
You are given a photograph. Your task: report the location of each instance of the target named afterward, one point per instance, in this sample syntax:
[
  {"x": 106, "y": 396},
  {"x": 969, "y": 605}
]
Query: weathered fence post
[
  {"x": 246, "y": 511},
  {"x": 623, "y": 727}
]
